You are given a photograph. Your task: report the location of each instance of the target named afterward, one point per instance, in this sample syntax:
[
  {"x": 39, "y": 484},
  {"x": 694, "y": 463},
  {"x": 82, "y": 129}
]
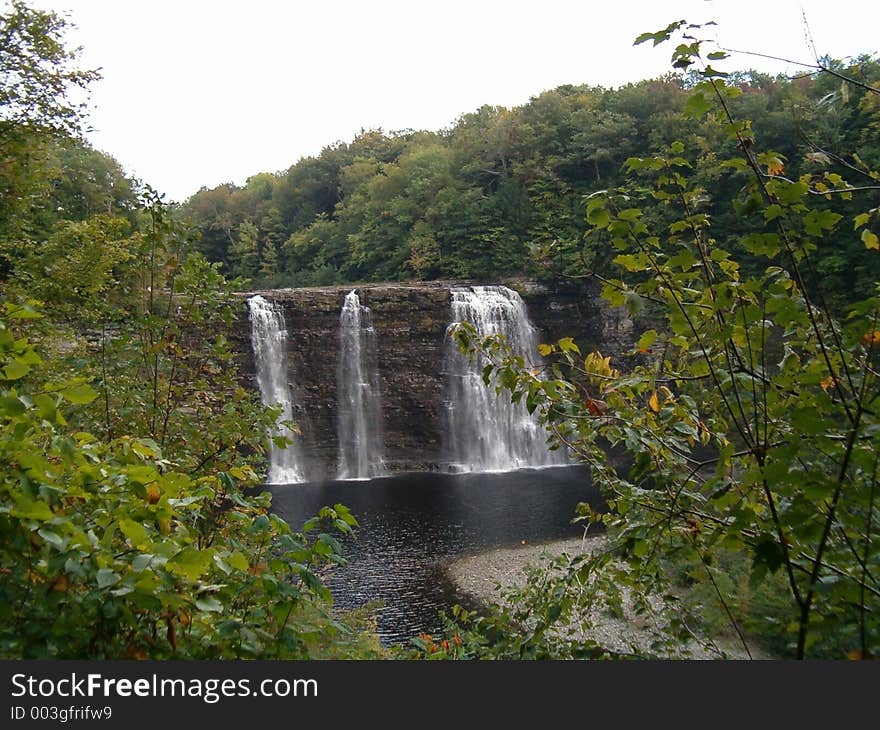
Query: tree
[
  {"x": 244, "y": 253},
  {"x": 39, "y": 89},
  {"x": 126, "y": 440},
  {"x": 39, "y": 76},
  {"x": 749, "y": 411},
  {"x": 269, "y": 259},
  {"x": 125, "y": 530}
]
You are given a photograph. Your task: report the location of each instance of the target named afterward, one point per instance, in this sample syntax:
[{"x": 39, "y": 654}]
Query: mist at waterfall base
[
  {"x": 412, "y": 525},
  {"x": 499, "y": 483}
]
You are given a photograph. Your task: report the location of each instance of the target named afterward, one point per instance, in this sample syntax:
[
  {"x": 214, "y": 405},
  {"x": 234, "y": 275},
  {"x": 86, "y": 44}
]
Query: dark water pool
[{"x": 412, "y": 524}]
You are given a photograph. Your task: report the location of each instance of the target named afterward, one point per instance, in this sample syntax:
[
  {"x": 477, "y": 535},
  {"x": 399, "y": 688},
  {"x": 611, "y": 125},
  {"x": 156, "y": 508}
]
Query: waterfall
[
  {"x": 358, "y": 409},
  {"x": 485, "y": 431},
  {"x": 269, "y": 341}
]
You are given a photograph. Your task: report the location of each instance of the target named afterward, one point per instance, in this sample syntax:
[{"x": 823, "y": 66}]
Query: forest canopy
[{"x": 501, "y": 191}]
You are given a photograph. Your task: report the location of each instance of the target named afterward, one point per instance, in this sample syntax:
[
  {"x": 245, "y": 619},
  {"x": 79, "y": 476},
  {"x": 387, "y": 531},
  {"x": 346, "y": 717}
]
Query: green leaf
[
  {"x": 631, "y": 262},
  {"x": 870, "y": 240},
  {"x": 768, "y": 557},
  {"x": 772, "y": 212},
  {"x": 81, "y": 394},
  {"x": 817, "y": 221},
  {"x": 191, "y": 563},
  {"x": 11, "y": 406},
  {"x": 30, "y": 509},
  {"x": 634, "y": 303},
  {"x": 210, "y": 604},
  {"x": 238, "y": 561},
  {"x": 107, "y": 577},
  {"x": 142, "y": 561},
  {"x": 791, "y": 192},
  {"x": 598, "y": 217},
  {"x": 807, "y": 421},
  {"x": 629, "y": 214},
  {"x": 145, "y": 448},
  {"x": 647, "y": 339},
  {"x": 21, "y": 311},
  {"x": 260, "y": 524},
  {"x": 15, "y": 370},
  {"x": 661, "y": 35},
  {"x": 567, "y": 344},
  {"x": 684, "y": 259},
  {"x": 697, "y": 105},
  {"x": 135, "y": 532},
  {"x": 54, "y": 539},
  {"x": 861, "y": 220},
  {"x": 762, "y": 244}
]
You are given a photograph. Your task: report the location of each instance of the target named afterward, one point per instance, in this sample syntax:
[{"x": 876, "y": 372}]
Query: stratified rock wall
[{"x": 410, "y": 322}]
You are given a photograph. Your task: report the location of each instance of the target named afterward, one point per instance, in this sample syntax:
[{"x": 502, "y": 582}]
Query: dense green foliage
[
  {"x": 127, "y": 443},
  {"x": 45, "y": 173},
  {"x": 750, "y": 408},
  {"x": 750, "y": 411},
  {"x": 500, "y": 191}
]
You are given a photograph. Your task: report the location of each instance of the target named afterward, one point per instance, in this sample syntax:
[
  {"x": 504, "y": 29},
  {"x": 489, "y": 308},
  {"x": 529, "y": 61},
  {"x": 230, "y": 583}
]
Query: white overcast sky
[{"x": 197, "y": 92}]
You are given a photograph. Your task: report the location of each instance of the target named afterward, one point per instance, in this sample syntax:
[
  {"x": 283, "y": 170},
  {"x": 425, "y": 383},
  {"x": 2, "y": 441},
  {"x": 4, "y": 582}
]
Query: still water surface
[{"x": 411, "y": 525}]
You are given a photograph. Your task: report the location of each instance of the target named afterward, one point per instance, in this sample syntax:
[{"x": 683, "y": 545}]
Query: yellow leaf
[
  {"x": 775, "y": 167},
  {"x": 654, "y": 403},
  {"x": 869, "y": 238}
]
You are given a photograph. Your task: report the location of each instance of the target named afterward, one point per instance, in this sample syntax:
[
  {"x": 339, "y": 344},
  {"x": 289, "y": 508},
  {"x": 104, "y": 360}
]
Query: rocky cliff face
[{"x": 410, "y": 322}]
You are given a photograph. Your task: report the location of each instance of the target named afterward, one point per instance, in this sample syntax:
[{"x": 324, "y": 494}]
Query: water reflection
[{"x": 412, "y": 524}]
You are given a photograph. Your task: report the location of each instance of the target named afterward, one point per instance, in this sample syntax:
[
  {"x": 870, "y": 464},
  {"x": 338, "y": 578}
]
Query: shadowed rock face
[{"x": 410, "y": 322}]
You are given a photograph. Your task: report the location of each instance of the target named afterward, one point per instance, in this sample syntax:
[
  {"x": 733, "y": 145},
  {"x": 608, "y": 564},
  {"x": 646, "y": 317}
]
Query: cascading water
[
  {"x": 485, "y": 431},
  {"x": 269, "y": 341},
  {"x": 359, "y": 408}
]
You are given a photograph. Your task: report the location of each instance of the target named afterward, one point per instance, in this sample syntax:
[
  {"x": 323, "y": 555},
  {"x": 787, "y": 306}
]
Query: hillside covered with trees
[{"x": 501, "y": 191}]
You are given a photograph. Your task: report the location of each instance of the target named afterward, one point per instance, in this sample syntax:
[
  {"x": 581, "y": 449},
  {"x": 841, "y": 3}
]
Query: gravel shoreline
[{"x": 481, "y": 576}]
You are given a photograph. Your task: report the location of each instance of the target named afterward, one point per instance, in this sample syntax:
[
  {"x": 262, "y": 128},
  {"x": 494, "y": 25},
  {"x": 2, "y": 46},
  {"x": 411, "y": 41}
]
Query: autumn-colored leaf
[
  {"x": 654, "y": 402},
  {"x": 61, "y": 584},
  {"x": 597, "y": 407},
  {"x": 153, "y": 493},
  {"x": 872, "y": 339}
]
